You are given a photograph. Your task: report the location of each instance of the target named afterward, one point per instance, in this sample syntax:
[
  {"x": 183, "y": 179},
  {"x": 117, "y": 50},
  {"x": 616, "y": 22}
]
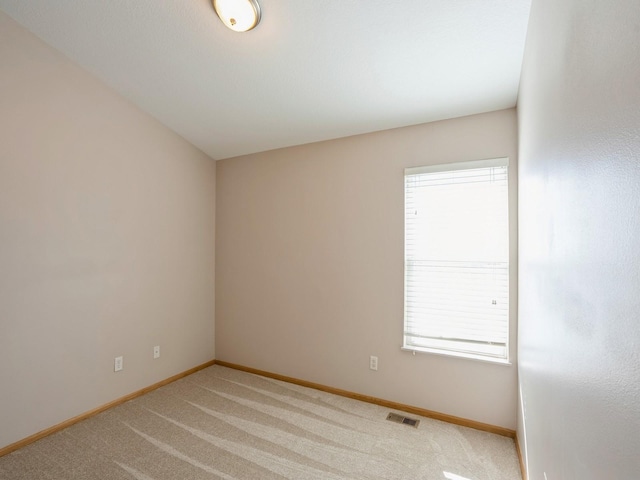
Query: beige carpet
[{"x": 222, "y": 423}]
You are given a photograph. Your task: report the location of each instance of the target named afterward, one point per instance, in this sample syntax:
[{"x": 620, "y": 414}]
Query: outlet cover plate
[{"x": 373, "y": 362}]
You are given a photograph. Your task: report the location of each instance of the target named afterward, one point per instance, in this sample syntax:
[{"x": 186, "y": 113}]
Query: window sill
[{"x": 468, "y": 356}]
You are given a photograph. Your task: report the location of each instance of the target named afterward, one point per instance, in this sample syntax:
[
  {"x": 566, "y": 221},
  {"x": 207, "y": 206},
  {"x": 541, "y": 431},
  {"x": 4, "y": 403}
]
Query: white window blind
[{"x": 457, "y": 259}]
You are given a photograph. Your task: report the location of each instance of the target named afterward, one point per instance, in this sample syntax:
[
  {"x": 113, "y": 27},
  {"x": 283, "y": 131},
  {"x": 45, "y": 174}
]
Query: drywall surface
[
  {"x": 106, "y": 242},
  {"x": 579, "y": 336},
  {"x": 309, "y": 272}
]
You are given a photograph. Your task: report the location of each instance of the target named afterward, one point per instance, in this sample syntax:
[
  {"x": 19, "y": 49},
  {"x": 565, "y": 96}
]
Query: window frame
[{"x": 452, "y": 352}]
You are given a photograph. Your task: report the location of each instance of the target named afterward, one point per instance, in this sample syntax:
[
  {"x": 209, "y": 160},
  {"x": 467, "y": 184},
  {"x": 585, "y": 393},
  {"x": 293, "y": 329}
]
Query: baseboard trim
[
  {"x": 83, "y": 416},
  {"x": 523, "y": 468},
  {"x": 377, "y": 401}
]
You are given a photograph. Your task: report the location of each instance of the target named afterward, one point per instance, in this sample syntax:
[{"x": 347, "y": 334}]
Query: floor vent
[{"x": 412, "y": 422}]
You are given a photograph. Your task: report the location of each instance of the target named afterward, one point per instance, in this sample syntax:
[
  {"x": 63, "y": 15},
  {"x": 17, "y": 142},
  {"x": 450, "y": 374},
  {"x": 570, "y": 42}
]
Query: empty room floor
[{"x": 227, "y": 424}]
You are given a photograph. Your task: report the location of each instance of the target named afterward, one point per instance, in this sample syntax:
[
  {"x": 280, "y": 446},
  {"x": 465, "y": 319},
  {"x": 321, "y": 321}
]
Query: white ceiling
[{"x": 311, "y": 70}]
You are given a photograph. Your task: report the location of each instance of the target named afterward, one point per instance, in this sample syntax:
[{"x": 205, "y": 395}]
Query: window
[{"x": 457, "y": 259}]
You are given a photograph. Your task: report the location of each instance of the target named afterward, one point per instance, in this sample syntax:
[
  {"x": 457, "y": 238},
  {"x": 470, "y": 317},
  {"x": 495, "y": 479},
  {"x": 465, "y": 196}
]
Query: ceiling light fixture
[{"x": 238, "y": 15}]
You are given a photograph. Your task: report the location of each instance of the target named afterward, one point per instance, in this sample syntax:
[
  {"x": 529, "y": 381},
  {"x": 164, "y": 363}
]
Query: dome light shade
[{"x": 238, "y": 15}]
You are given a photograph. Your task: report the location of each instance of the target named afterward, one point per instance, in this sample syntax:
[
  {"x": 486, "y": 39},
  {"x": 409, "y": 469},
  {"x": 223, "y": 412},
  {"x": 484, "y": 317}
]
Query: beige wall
[
  {"x": 579, "y": 111},
  {"x": 106, "y": 242},
  {"x": 309, "y": 273}
]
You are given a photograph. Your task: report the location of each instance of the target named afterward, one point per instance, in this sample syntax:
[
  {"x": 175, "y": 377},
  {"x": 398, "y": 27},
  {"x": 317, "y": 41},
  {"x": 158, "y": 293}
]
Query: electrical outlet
[
  {"x": 156, "y": 351},
  {"x": 373, "y": 362},
  {"x": 118, "y": 364}
]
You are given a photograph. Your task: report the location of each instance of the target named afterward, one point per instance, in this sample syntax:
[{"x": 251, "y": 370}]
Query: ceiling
[{"x": 310, "y": 71}]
